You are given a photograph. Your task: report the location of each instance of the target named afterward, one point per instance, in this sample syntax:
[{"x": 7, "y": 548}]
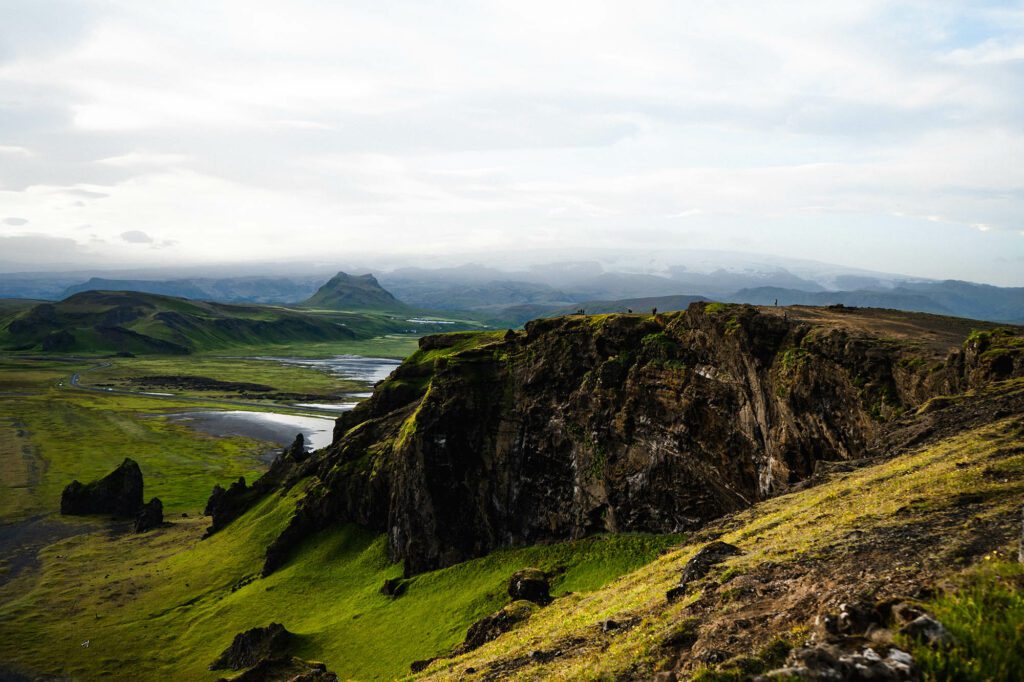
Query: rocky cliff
[{"x": 615, "y": 423}]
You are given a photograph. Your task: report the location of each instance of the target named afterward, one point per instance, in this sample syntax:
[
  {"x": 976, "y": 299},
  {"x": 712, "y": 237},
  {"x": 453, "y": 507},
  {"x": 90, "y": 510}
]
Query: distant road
[{"x": 75, "y": 379}]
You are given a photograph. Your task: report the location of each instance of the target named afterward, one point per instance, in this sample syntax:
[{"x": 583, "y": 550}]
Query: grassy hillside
[
  {"x": 164, "y": 604},
  {"x": 131, "y": 596},
  {"x": 132, "y": 322}
]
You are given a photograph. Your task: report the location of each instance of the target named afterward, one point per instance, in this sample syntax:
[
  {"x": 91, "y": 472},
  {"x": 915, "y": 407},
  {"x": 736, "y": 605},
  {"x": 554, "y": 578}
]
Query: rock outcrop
[
  {"x": 530, "y": 584},
  {"x": 250, "y": 647},
  {"x": 119, "y": 493},
  {"x": 226, "y": 505},
  {"x": 150, "y": 516},
  {"x": 498, "y": 623},
  {"x": 285, "y": 669},
  {"x": 701, "y": 564},
  {"x": 615, "y": 423}
]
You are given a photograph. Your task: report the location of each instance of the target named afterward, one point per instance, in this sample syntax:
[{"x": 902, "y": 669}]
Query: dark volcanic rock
[
  {"x": 530, "y": 584},
  {"x": 224, "y": 506},
  {"x": 150, "y": 516},
  {"x": 285, "y": 669},
  {"x": 421, "y": 665},
  {"x": 118, "y": 493},
  {"x": 493, "y": 626},
  {"x": 393, "y": 587},
  {"x": 613, "y": 423},
  {"x": 251, "y": 646},
  {"x": 709, "y": 556}
]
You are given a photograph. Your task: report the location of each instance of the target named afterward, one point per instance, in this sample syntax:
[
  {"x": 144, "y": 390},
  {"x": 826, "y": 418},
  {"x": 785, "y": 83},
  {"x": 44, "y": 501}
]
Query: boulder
[
  {"x": 118, "y": 493},
  {"x": 928, "y": 630},
  {"x": 493, "y": 626},
  {"x": 836, "y": 662},
  {"x": 393, "y": 587},
  {"x": 150, "y": 516},
  {"x": 530, "y": 584},
  {"x": 285, "y": 669},
  {"x": 701, "y": 564},
  {"x": 421, "y": 665},
  {"x": 252, "y": 646}
]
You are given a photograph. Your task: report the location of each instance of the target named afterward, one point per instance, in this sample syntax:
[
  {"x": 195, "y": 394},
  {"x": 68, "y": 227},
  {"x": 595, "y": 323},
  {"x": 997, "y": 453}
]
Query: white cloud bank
[{"x": 884, "y": 135}]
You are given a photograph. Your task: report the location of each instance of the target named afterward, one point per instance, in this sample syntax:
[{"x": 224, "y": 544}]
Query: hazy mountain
[
  {"x": 353, "y": 292},
  {"x": 962, "y": 299},
  {"x": 228, "y": 290},
  {"x": 517, "y": 315}
]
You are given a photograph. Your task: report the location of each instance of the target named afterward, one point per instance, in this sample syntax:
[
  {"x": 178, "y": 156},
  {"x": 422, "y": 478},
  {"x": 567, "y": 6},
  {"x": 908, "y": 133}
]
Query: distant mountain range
[
  {"x": 510, "y": 297},
  {"x": 227, "y": 290},
  {"x": 961, "y": 299}
]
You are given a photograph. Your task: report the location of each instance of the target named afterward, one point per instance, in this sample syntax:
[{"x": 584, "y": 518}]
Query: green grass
[
  {"x": 79, "y": 435},
  {"x": 397, "y": 346},
  {"x": 985, "y": 613},
  {"x": 281, "y": 377},
  {"x": 162, "y": 604}
]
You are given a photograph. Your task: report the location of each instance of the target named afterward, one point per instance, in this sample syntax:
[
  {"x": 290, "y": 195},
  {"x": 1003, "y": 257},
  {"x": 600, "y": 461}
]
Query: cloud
[
  {"x": 143, "y": 159},
  {"x": 20, "y": 251},
  {"x": 85, "y": 193},
  {"x": 792, "y": 127},
  {"x": 16, "y": 222},
  {"x": 136, "y": 237},
  {"x": 13, "y": 150}
]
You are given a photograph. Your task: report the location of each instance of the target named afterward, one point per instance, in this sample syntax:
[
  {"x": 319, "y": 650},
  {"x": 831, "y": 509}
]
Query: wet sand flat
[{"x": 268, "y": 426}]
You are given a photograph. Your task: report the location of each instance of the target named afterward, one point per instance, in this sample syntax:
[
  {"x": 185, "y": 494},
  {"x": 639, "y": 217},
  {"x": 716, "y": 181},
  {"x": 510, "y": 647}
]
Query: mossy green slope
[
  {"x": 164, "y": 604},
  {"x": 133, "y": 322}
]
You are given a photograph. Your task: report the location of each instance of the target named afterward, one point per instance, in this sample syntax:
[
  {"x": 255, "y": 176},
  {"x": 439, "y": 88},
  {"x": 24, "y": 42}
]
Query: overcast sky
[{"x": 881, "y": 135}]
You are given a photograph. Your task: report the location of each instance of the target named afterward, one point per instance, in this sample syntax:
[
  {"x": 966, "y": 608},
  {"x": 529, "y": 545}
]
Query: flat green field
[
  {"x": 48, "y": 439},
  {"x": 51, "y": 432}
]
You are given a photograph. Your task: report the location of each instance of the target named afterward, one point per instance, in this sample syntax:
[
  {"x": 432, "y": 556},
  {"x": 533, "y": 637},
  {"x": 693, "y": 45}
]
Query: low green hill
[
  {"x": 133, "y": 322},
  {"x": 352, "y": 292}
]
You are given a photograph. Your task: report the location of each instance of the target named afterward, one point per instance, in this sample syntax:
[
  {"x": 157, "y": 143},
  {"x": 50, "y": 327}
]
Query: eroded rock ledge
[{"x": 616, "y": 423}]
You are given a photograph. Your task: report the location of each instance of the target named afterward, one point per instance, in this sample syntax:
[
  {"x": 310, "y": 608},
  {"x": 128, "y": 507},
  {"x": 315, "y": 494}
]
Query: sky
[{"x": 880, "y": 135}]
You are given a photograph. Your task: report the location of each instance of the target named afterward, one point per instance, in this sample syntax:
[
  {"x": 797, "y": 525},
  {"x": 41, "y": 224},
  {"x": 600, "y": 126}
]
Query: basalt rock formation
[
  {"x": 250, "y": 647},
  {"x": 150, "y": 516},
  {"x": 118, "y": 493},
  {"x": 226, "y": 505},
  {"x": 614, "y": 423}
]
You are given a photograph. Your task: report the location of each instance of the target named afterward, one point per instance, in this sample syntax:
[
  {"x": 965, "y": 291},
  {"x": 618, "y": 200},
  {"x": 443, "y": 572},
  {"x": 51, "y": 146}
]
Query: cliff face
[{"x": 611, "y": 423}]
